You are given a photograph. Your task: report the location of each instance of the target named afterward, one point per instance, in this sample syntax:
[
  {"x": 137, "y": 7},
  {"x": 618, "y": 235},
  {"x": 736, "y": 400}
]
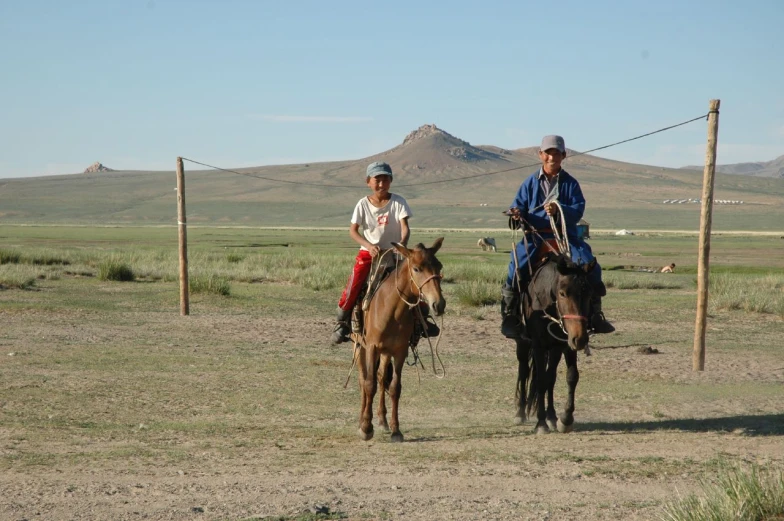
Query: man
[{"x": 535, "y": 203}]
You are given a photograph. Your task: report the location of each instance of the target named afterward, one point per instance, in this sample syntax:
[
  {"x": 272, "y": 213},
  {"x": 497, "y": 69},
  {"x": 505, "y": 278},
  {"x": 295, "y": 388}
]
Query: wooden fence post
[
  {"x": 183, "y": 232},
  {"x": 706, "y": 217}
]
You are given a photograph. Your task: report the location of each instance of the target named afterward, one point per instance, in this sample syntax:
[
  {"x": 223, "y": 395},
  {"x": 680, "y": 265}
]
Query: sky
[{"x": 136, "y": 83}]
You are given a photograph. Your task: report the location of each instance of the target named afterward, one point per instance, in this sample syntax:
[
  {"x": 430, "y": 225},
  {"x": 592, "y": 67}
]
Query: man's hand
[
  {"x": 551, "y": 208},
  {"x": 514, "y": 213}
]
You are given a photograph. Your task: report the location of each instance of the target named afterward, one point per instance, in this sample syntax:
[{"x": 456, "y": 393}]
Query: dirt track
[{"x": 219, "y": 422}]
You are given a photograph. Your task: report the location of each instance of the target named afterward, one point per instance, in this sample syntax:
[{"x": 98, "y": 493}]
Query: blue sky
[{"x": 136, "y": 83}]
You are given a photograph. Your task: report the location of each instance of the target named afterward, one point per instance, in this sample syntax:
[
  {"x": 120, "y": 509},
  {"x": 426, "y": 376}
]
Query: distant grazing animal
[
  {"x": 487, "y": 244},
  {"x": 384, "y": 341},
  {"x": 669, "y": 269}
]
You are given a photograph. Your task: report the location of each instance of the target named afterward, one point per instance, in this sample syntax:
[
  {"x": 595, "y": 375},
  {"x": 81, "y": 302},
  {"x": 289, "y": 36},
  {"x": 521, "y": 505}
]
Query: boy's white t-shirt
[{"x": 381, "y": 226}]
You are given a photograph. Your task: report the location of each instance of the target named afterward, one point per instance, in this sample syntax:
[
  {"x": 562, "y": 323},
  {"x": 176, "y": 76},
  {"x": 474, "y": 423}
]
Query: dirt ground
[{"x": 164, "y": 417}]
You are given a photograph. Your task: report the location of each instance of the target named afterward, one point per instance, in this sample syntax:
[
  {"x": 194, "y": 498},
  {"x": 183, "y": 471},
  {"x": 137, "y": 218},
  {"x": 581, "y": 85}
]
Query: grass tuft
[
  {"x": 9, "y": 257},
  {"x": 758, "y": 294},
  {"x": 210, "y": 284},
  {"x": 737, "y": 494},
  {"x": 477, "y": 293},
  {"x": 115, "y": 270}
]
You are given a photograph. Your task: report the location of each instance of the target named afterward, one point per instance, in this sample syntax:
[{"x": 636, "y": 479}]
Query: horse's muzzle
[{"x": 437, "y": 308}]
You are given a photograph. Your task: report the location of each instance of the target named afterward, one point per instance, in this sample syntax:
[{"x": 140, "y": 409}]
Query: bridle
[
  {"x": 560, "y": 320},
  {"x": 435, "y": 276}
]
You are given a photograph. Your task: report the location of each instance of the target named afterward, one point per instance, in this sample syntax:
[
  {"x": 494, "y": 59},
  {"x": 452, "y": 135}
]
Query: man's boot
[
  {"x": 599, "y": 324},
  {"x": 511, "y": 321},
  {"x": 342, "y": 327}
]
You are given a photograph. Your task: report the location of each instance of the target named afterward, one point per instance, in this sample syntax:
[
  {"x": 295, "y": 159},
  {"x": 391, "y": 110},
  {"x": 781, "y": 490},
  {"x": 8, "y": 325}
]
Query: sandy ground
[{"x": 618, "y": 464}]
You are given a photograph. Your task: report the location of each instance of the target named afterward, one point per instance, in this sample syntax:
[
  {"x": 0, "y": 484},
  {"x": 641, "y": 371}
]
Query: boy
[
  {"x": 378, "y": 220},
  {"x": 535, "y": 203}
]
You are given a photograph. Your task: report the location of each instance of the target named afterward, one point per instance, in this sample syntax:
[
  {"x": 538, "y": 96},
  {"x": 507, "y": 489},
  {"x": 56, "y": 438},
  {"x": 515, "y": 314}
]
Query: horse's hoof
[
  {"x": 384, "y": 426},
  {"x": 563, "y": 428},
  {"x": 397, "y": 437},
  {"x": 552, "y": 423},
  {"x": 365, "y": 436},
  {"x": 542, "y": 429},
  {"x": 519, "y": 420}
]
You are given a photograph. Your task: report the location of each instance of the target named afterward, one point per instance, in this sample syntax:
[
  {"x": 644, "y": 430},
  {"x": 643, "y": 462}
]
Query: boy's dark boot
[
  {"x": 511, "y": 321},
  {"x": 342, "y": 327},
  {"x": 599, "y": 324},
  {"x": 432, "y": 329}
]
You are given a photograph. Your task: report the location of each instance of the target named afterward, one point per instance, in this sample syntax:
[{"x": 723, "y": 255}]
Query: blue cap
[{"x": 379, "y": 168}]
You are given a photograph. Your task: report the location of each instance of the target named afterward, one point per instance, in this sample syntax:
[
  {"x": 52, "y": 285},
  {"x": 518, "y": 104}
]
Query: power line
[{"x": 485, "y": 174}]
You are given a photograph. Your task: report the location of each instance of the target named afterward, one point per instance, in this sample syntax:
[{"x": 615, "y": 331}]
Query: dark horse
[
  {"x": 555, "y": 307},
  {"x": 388, "y": 324}
]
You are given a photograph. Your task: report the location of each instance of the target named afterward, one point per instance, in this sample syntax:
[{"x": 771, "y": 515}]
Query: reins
[{"x": 433, "y": 349}]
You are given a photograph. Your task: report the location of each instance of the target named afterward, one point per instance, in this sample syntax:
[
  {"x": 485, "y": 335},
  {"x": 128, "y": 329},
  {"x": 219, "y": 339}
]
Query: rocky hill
[{"x": 97, "y": 167}]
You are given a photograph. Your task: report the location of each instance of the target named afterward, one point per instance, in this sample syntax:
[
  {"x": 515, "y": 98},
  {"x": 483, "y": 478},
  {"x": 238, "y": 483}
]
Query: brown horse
[{"x": 388, "y": 325}]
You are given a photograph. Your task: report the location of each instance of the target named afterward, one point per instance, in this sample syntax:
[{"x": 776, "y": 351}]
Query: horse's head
[
  {"x": 573, "y": 300},
  {"x": 425, "y": 273}
]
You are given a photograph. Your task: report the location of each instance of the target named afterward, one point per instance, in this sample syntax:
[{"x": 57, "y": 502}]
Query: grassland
[{"x": 112, "y": 406}]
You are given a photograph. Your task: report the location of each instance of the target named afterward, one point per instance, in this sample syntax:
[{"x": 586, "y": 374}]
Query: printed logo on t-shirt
[{"x": 383, "y": 219}]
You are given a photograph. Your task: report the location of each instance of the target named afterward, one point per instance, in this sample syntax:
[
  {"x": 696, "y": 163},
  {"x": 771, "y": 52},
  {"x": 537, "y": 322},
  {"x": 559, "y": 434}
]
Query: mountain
[
  {"x": 448, "y": 182},
  {"x": 773, "y": 168}
]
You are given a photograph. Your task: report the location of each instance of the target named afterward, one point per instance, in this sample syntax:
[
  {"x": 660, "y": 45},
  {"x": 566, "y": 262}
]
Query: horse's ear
[
  {"x": 436, "y": 245},
  {"x": 590, "y": 266},
  {"x": 561, "y": 263},
  {"x": 405, "y": 252}
]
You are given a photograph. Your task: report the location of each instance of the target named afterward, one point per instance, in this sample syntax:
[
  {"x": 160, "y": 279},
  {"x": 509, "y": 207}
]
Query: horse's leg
[
  {"x": 368, "y": 365},
  {"x": 395, "y": 388},
  {"x": 523, "y": 371},
  {"x": 552, "y": 373},
  {"x": 540, "y": 374},
  {"x": 566, "y": 421},
  {"x": 383, "y": 382}
]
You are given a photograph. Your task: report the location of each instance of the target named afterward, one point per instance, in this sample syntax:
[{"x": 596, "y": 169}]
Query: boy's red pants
[{"x": 358, "y": 277}]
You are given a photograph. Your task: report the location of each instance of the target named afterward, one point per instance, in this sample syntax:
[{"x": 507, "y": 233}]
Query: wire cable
[{"x": 463, "y": 178}]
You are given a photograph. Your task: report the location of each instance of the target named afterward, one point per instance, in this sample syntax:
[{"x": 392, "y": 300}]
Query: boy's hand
[{"x": 374, "y": 250}]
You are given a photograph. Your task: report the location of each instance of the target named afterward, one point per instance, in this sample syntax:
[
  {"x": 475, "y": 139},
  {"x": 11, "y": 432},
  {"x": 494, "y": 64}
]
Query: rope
[{"x": 463, "y": 178}]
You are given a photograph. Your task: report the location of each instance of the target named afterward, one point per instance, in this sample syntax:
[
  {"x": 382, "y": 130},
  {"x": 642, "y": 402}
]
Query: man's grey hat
[
  {"x": 556, "y": 142},
  {"x": 379, "y": 168}
]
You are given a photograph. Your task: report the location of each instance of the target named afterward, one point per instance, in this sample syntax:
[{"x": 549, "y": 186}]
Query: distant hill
[
  {"x": 773, "y": 168},
  {"x": 97, "y": 167},
  {"x": 449, "y": 183}
]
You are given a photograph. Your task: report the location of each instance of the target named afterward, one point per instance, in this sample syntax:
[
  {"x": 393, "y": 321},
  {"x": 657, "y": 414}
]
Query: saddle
[
  {"x": 369, "y": 288},
  {"x": 374, "y": 281}
]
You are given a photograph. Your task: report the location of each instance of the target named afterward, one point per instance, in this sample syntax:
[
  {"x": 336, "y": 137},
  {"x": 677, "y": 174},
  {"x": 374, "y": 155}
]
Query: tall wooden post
[
  {"x": 706, "y": 217},
  {"x": 182, "y": 226}
]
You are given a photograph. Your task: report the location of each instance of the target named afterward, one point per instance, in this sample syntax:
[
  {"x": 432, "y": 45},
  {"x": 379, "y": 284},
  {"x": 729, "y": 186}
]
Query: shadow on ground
[{"x": 762, "y": 425}]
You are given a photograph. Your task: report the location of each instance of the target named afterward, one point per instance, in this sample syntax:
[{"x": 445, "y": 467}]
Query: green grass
[
  {"x": 738, "y": 494},
  {"x": 756, "y": 294},
  {"x": 210, "y": 284},
  {"x": 112, "y": 269}
]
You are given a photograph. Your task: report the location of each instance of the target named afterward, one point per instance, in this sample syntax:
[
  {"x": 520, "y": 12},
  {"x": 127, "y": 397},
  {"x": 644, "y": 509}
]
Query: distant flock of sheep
[{"x": 686, "y": 201}]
